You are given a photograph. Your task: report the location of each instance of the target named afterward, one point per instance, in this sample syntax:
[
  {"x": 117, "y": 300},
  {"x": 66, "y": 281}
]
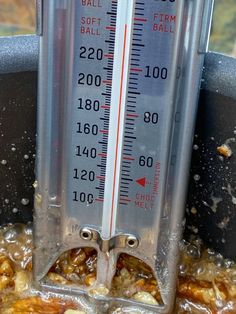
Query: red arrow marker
[{"x": 141, "y": 181}]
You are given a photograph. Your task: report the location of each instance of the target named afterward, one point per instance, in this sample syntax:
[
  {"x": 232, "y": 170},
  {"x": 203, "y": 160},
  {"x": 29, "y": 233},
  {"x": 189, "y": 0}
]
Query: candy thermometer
[{"x": 118, "y": 88}]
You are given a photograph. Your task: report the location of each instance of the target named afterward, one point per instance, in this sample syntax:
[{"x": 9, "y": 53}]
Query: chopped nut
[
  {"x": 232, "y": 291},
  {"x": 124, "y": 273},
  {"x": 77, "y": 257},
  {"x": 5, "y": 267},
  {"x": 202, "y": 291},
  {"x": 5, "y": 282},
  {"x": 39, "y": 306},
  {"x": 100, "y": 290},
  {"x": 22, "y": 281},
  {"x": 57, "y": 278},
  {"x": 145, "y": 297},
  {"x": 220, "y": 295},
  {"x": 90, "y": 279},
  {"x": 6, "y": 273},
  {"x": 225, "y": 150}
]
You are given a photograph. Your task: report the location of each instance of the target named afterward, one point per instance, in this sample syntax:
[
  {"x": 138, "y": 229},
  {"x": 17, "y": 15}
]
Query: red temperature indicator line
[
  {"x": 111, "y": 28},
  {"x": 125, "y": 199},
  {"x": 107, "y": 82},
  {"x": 128, "y": 158},
  {"x": 102, "y": 155},
  {"x": 136, "y": 70},
  {"x": 139, "y": 19},
  {"x": 100, "y": 178},
  {"x": 109, "y": 55},
  {"x": 131, "y": 115},
  {"x": 103, "y": 131},
  {"x": 105, "y": 107}
]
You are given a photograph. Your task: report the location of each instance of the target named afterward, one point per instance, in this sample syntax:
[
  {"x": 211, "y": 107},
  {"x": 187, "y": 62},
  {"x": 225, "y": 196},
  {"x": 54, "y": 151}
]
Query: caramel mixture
[{"x": 207, "y": 282}]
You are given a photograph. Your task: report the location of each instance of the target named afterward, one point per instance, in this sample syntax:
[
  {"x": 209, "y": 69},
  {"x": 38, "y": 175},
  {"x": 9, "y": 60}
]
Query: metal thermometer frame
[{"x": 187, "y": 65}]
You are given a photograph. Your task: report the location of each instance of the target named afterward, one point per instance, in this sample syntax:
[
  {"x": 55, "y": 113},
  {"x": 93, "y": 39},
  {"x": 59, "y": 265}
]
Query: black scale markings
[
  {"x": 107, "y": 95},
  {"x": 132, "y": 94}
]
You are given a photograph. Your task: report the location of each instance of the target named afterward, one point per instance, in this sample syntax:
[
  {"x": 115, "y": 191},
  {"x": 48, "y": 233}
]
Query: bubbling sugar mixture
[{"x": 207, "y": 281}]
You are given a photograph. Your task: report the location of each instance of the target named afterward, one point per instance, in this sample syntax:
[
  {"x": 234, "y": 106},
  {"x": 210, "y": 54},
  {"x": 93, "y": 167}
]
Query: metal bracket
[{"x": 106, "y": 245}]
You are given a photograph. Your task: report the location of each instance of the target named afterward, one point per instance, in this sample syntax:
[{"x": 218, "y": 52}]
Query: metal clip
[{"x": 106, "y": 245}]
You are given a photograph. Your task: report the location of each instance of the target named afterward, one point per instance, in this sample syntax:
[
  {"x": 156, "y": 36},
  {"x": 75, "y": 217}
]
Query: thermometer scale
[{"x": 118, "y": 88}]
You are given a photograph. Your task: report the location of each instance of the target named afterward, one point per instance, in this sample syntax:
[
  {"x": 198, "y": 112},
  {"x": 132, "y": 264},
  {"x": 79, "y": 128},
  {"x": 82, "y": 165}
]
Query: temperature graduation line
[{"x": 117, "y": 113}]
